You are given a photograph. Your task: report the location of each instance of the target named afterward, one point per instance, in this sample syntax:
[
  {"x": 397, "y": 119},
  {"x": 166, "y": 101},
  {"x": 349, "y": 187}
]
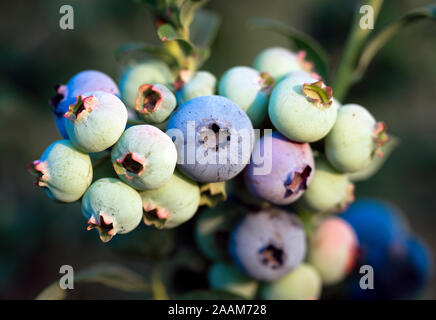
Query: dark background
[{"x": 37, "y": 236}]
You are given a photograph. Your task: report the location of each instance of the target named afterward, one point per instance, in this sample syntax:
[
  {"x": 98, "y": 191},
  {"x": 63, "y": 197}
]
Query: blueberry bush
[{"x": 260, "y": 162}]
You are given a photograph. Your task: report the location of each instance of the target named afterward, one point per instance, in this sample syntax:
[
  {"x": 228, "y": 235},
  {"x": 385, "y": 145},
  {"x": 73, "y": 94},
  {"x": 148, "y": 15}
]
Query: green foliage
[
  {"x": 379, "y": 40},
  {"x": 110, "y": 275}
]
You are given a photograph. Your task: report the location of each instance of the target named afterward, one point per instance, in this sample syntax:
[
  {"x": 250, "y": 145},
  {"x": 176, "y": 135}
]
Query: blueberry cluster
[{"x": 167, "y": 140}]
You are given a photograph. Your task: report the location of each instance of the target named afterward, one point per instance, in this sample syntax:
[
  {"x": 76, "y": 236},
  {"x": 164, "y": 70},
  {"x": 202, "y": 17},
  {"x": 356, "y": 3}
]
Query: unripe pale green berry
[
  {"x": 278, "y": 62},
  {"x": 330, "y": 190},
  {"x": 333, "y": 250},
  {"x": 96, "y": 121},
  {"x": 155, "y": 103},
  {"x": 144, "y": 157},
  {"x": 212, "y": 230},
  {"x": 302, "y": 283},
  {"x": 112, "y": 207},
  {"x": 226, "y": 276},
  {"x": 202, "y": 83},
  {"x": 354, "y": 139},
  {"x": 302, "y": 108},
  {"x": 149, "y": 71},
  {"x": 249, "y": 89},
  {"x": 63, "y": 171},
  {"x": 172, "y": 204}
]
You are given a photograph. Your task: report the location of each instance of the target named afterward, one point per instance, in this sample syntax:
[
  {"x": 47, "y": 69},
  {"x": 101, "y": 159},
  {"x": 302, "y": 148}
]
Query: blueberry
[
  {"x": 96, "y": 121},
  {"x": 212, "y": 230},
  {"x": 144, "y": 157},
  {"x": 202, "y": 83},
  {"x": 379, "y": 227},
  {"x": 333, "y": 250},
  {"x": 329, "y": 191},
  {"x": 278, "y": 62},
  {"x": 63, "y": 171},
  {"x": 354, "y": 139},
  {"x": 226, "y": 276},
  {"x": 155, "y": 103},
  {"x": 112, "y": 207},
  {"x": 302, "y": 108},
  {"x": 172, "y": 204},
  {"x": 268, "y": 244},
  {"x": 213, "y": 136},
  {"x": 291, "y": 169},
  {"x": 302, "y": 283},
  {"x": 145, "y": 72},
  {"x": 249, "y": 89},
  {"x": 84, "y": 81}
]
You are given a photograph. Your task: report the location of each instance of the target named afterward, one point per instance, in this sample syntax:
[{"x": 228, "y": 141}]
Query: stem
[
  {"x": 157, "y": 287},
  {"x": 355, "y": 41}
]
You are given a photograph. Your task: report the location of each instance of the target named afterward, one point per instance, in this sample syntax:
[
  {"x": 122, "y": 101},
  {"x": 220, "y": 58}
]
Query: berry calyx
[
  {"x": 380, "y": 137},
  {"x": 155, "y": 215},
  {"x": 267, "y": 82},
  {"x": 60, "y": 95},
  {"x": 272, "y": 256},
  {"x": 297, "y": 181},
  {"x": 318, "y": 93},
  {"x": 82, "y": 106},
  {"x": 148, "y": 100},
  {"x": 130, "y": 165},
  {"x": 105, "y": 225},
  {"x": 183, "y": 77},
  {"x": 39, "y": 170}
]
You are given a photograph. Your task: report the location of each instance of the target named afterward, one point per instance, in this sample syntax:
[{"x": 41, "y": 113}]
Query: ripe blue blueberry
[
  {"x": 380, "y": 229},
  {"x": 249, "y": 89},
  {"x": 63, "y": 171},
  {"x": 213, "y": 136},
  {"x": 84, "y": 81},
  {"x": 268, "y": 244},
  {"x": 144, "y": 157},
  {"x": 112, "y": 207},
  {"x": 96, "y": 121},
  {"x": 291, "y": 170}
]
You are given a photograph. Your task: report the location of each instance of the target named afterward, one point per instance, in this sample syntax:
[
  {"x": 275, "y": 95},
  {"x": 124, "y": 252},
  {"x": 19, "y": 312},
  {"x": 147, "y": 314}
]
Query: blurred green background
[{"x": 37, "y": 236}]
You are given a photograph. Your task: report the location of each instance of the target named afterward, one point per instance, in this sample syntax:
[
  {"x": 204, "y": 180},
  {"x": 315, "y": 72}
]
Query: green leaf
[
  {"x": 204, "y": 28},
  {"x": 210, "y": 295},
  {"x": 376, "y": 43},
  {"x": 187, "y": 11},
  {"x": 212, "y": 193},
  {"x": 302, "y": 41},
  {"x": 376, "y": 162},
  {"x": 167, "y": 33},
  {"x": 158, "y": 52},
  {"x": 110, "y": 275}
]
